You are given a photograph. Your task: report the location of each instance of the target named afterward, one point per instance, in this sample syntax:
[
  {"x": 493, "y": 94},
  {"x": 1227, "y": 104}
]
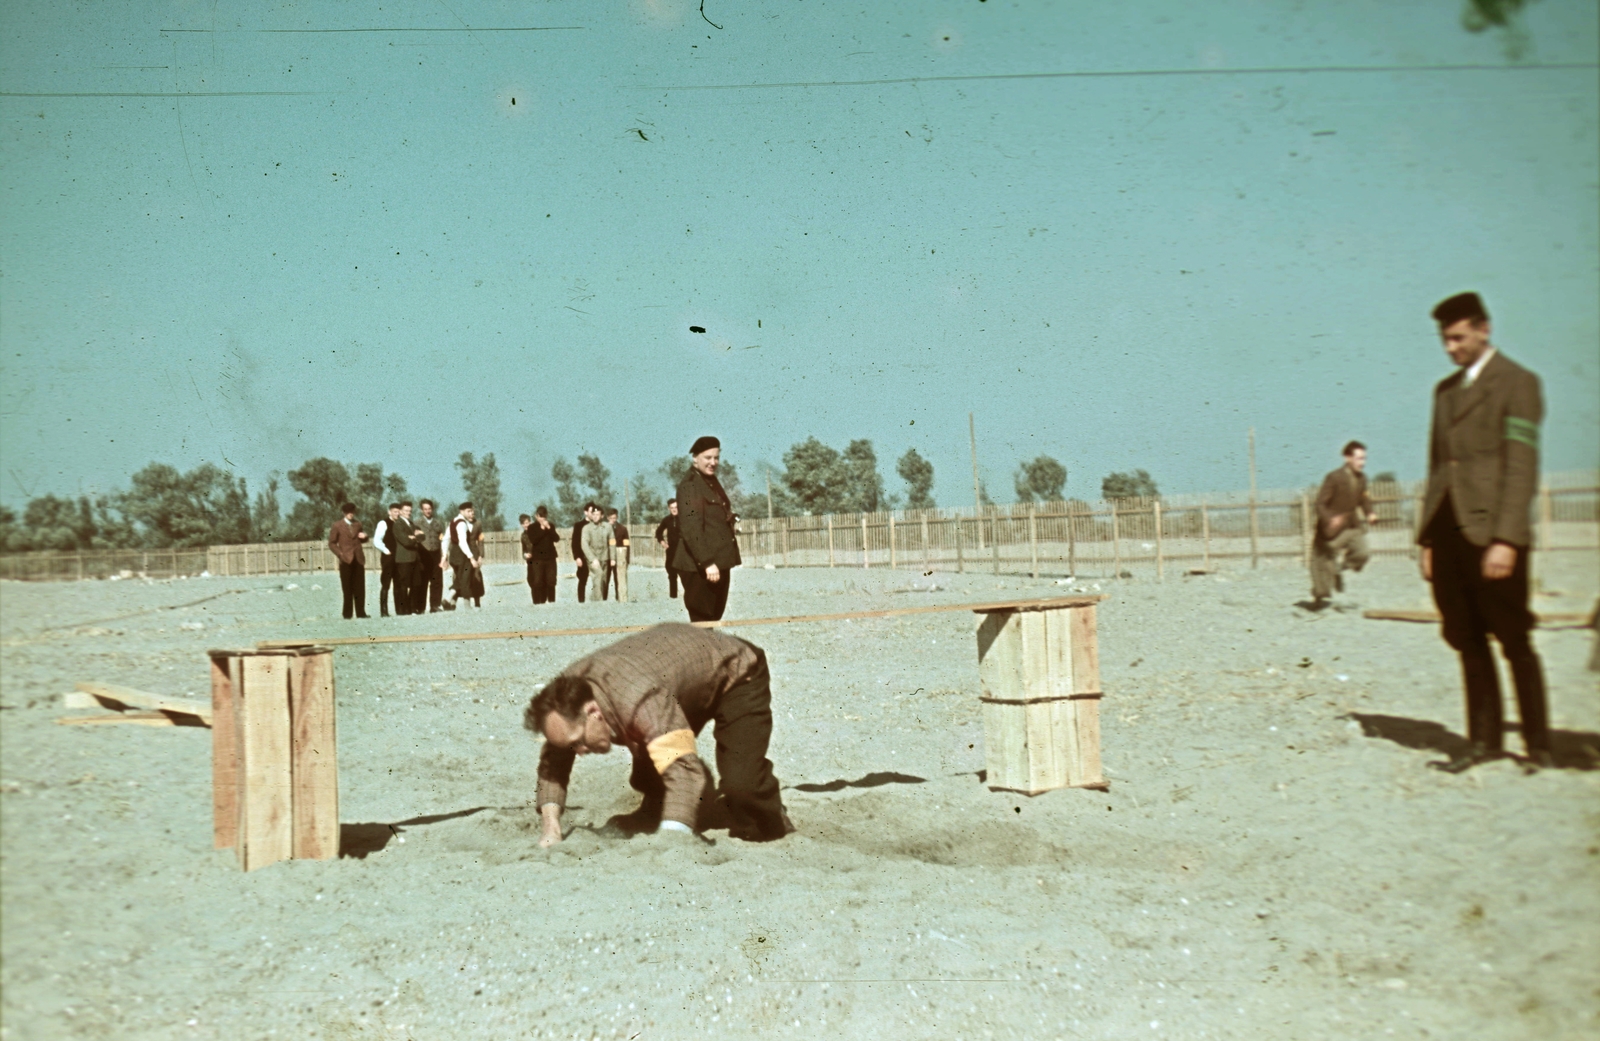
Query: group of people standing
[
  {"x": 413, "y": 554},
  {"x": 697, "y": 535}
]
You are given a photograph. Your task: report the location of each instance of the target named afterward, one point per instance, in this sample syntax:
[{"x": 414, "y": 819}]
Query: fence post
[
  {"x": 891, "y": 542},
  {"x": 1116, "y": 542},
  {"x": 786, "y": 542},
  {"x": 830, "y": 540},
  {"x": 1255, "y": 533},
  {"x": 1205, "y": 535},
  {"x": 866, "y": 561},
  {"x": 1072, "y": 541},
  {"x": 1033, "y": 538},
  {"x": 961, "y": 562},
  {"x": 1155, "y": 511},
  {"x": 1305, "y": 530},
  {"x": 994, "y": 541},
  {"x": 927, "y": 558}
]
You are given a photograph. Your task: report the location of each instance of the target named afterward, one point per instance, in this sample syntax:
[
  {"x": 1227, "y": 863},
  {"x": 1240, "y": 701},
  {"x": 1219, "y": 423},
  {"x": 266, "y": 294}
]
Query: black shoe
[
  {"x": 1473, "y": 756},
  {"x": 448, "y": 605},
  {"x": 383, "y": 614},
  {"x": 1338, "y": 583},
  {"x": 1538, "y": 760},
  {"x": 363, "y": 616}
]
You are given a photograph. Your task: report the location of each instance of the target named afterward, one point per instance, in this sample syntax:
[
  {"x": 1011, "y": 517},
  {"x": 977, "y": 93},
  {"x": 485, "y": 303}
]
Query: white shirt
[
  {"x": 377, "y": 536},
  {"x": 464, "y": 539},
  {"x": 1477, "y": 367}
]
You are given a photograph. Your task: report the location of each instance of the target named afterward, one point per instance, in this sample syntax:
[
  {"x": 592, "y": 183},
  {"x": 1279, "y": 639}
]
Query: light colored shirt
[
  {"x": 377, "y": 536},
  {"x": 462, "y": 535},
  {"x": 1477, "y": 367}
]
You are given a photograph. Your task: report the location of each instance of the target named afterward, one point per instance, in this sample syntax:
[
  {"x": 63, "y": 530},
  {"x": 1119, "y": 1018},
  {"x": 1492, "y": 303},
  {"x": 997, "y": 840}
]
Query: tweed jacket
[
  {"x": 1484, "y": 452},
  {"x": 656, "y": 689},
  {"x": 1343, "y": 494},
  {"x": 344, "y": 538},
  {"x": 407, "y": 540},
  {"x": 432, "y": 529},
  {"x": 705, "y": 526}
]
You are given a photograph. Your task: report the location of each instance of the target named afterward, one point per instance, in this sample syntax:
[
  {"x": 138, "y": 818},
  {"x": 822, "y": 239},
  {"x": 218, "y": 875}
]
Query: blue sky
[{"x": 224, "y": 241}]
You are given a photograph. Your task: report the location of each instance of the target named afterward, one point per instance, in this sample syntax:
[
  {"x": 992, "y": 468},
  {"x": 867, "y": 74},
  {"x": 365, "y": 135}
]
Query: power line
[{"x": 1285, "y": 70}]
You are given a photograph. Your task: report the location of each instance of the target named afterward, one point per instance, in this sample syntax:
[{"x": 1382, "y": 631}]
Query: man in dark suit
[
  {"x": 539, "y": 541},
  {"x": 577, "y": 553},
  {"x": 430, "y": 562},
  {"x": 347, "y": 540},
  {"x": 407, "y": 558},
  {"x": 383, "y": 538},
  {"x": 707, "y": 549},
  {"x": 1483, "y": 470},
  {"x": 667, "y": 538}
]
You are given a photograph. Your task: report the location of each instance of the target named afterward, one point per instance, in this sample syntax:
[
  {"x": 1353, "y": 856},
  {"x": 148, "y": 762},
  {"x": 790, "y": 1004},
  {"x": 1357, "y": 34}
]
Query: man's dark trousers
[
  {"x": 542, "y": 581},
  {"x": 430, "y": 580},
  {"x": 1473, "y": 607},
  {"x": 706, "y": 600},
  {"x": 672, "y": 579},
  {"x": 743, "y": 717},
  {"x": 405, "y": 586},
  {"x": 353, "y": 581},
  {"x": 385, "y": 580},
  {"x": 583, "y": 581}
]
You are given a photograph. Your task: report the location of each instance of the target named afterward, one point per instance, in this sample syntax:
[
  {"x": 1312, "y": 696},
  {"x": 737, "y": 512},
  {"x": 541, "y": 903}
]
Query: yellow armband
[{"x": 670, "y": 747}]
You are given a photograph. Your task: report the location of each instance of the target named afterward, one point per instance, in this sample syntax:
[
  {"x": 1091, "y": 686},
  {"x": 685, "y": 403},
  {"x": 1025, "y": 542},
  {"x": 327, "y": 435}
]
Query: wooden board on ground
[
  {"x": 1388, "y": 614},
  {"x": 109, "y": 695},
  {"x": 149, "y": 719}
]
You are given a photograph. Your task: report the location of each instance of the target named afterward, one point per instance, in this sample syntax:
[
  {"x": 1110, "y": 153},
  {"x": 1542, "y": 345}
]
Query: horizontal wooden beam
[
  {"x": 109, "y": 695},
  {"x": 1048, "y": 604},
  {"x": 1386, "y": 614}
]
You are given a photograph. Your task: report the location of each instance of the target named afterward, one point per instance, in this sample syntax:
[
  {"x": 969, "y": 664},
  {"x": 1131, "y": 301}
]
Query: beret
[{"x": 702, "y": 444}]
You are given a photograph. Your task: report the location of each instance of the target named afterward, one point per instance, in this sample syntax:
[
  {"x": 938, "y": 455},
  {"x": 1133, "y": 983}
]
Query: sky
[{"x": 1121, "y": 235}]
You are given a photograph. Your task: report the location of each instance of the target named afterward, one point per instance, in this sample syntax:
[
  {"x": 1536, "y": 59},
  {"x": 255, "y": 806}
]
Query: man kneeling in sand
[{"x": 654, "y": 691}]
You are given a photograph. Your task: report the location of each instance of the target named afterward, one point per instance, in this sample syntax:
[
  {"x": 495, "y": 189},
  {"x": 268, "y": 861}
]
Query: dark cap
[
  {"x": 1462, "y": 306},
  {"x": 348, "y": 507},
  {"x": 464, "y": 506},
  {"x": 705, "y": 443}
]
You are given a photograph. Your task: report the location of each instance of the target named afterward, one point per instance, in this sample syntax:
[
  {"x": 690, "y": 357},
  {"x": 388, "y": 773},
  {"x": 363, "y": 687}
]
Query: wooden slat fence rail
[{"x": 1098, "y": 540}]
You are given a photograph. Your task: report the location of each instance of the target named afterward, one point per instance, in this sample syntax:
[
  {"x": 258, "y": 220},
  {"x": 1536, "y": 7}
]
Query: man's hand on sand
[{"x": 551, "y": 832}]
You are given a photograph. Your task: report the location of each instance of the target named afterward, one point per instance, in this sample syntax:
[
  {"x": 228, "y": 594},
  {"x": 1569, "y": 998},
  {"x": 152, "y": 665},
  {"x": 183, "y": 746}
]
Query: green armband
[{"x": 1524, "y": 430}]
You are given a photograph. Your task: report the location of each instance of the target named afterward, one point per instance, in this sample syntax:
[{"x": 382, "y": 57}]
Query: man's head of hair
[
  {"x": 611, "y": 513},
  {"x": 541, "y": 512},
  {"x": 1461, "y": 307},
  {"x": 348, "y": 508},
  {"x": 394, "y": 507},
  {"x": 588, "y": 506},
  {"x": 426, "y": 502},
  {"x": 464, "y": 506},
  {"x": 672, "y": 502},
  {"x": 523, "y": 518},
  {"x": 564, "y": 696},
  {"x": 1351, "y": 447}
]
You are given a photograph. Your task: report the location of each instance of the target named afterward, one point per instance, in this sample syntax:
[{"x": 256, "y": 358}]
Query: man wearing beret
[
  {"x": 1483, "y": 470},
  {"x": 707, "y": 550},
  {"x": 653, "y": 692}
]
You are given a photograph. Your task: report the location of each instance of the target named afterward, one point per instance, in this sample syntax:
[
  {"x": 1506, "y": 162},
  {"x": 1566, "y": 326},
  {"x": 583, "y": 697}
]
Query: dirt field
[{"x": 1274, "y": 858}]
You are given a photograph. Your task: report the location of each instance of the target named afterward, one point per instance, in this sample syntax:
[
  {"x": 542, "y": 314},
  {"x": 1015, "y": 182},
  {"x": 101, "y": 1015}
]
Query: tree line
[{"x": 164, "y": 508}]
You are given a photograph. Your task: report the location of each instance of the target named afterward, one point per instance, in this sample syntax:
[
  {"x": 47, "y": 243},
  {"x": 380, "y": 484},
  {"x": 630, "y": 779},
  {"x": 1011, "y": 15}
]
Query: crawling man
[{"x": 653, "y": 692}]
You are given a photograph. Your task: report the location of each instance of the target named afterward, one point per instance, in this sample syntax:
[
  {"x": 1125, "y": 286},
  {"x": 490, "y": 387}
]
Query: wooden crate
[
  {"x": 274, "y": 755},
  {"x": 1040, "y": 675}
]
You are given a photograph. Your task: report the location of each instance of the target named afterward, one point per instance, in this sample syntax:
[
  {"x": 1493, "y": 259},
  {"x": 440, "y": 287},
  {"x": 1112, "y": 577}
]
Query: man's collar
[{"x": 1476, "y": 368}]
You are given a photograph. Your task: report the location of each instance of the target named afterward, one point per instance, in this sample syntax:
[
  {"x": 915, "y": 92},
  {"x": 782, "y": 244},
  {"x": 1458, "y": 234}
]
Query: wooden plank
[
  {"x": 1086, "y": 726},
  {"x": 110, "y": 692},
  {"x": 1085, "y": 650},
  {"x": 224, "y": 755},
  {"x": 1048, "y": 604},
  {"x": 266, "y": 822},
  {"x": 1401, "y": 615},
  {"x": 314, "y": 762},
  {"x": 149, "y": 719}
]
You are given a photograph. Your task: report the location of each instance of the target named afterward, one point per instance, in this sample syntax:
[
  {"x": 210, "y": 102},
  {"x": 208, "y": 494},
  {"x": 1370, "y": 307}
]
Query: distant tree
[
  {"x": 863, "y": 485},
  {"x": 644, "y": 502},
  {"x": 814, "y": 475},
  {"x": 591, "y": 481},
  {"x": 1042, "y": 480},
  {"x": 917, "y": 472},
  {"x": 480, "y": 478},
  {"x": 326, "y": 484},
  {"x": 206, "y": 506},
  {"x": 569, "y": 500},
  {"x": 265, "y": 514},
  {"x": 675, "y": 468},
  {"x": 1136, "y": 485},
  {"x": 12, "y": 537},
  {"x": 54, "y": 522},
  {"x": 1387, "y": 477},
  {"x": 597, "y": 479}
]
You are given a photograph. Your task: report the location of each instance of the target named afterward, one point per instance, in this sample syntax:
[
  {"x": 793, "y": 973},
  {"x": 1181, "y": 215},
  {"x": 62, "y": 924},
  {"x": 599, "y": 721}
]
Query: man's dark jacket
[{"x": 705, "y": 526}]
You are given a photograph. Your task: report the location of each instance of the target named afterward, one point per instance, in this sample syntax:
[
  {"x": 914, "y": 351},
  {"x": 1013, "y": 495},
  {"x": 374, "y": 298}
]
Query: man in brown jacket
[
  {"x": 653, "y": 692},
  {"x": 707, "y": 549},
  {"x": 1483, "y": 469},
  {"x": 346, "y": 539},
  {"x": 1344, "y": 509}
]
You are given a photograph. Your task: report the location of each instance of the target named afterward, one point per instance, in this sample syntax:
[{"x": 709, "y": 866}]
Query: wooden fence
[{"x": 1102, "y": 540}]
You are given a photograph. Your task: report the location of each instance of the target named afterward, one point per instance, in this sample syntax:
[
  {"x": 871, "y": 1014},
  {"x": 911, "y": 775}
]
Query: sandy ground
[{"x": 1274, "y": 858}]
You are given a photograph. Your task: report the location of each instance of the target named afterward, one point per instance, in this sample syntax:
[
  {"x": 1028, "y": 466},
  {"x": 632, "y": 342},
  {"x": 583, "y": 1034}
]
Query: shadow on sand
[
  {"x": 358, "y": 840},
  {"x": 1572, "y": 749},
  {"x": 874, "y": 780}
]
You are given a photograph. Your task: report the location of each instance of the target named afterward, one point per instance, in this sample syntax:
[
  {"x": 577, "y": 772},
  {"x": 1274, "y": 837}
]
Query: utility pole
[
  {"x": 627, "y": 501},
  {"x": 1255, "y": 527},
  {"x": 769, "y": 494}
]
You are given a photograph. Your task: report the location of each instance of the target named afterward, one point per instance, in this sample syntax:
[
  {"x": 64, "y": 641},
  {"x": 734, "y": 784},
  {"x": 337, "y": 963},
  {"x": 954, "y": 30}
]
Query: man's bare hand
[
  {"x": 713, "y": 575},
  {"x": 1335, "y": 523},
  {"x": 550, "y": 834},
  {"x": 1499, "y": 561},
  {"x": 1372, "y": 518},
  {"x": 1426, "y": 561}
]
